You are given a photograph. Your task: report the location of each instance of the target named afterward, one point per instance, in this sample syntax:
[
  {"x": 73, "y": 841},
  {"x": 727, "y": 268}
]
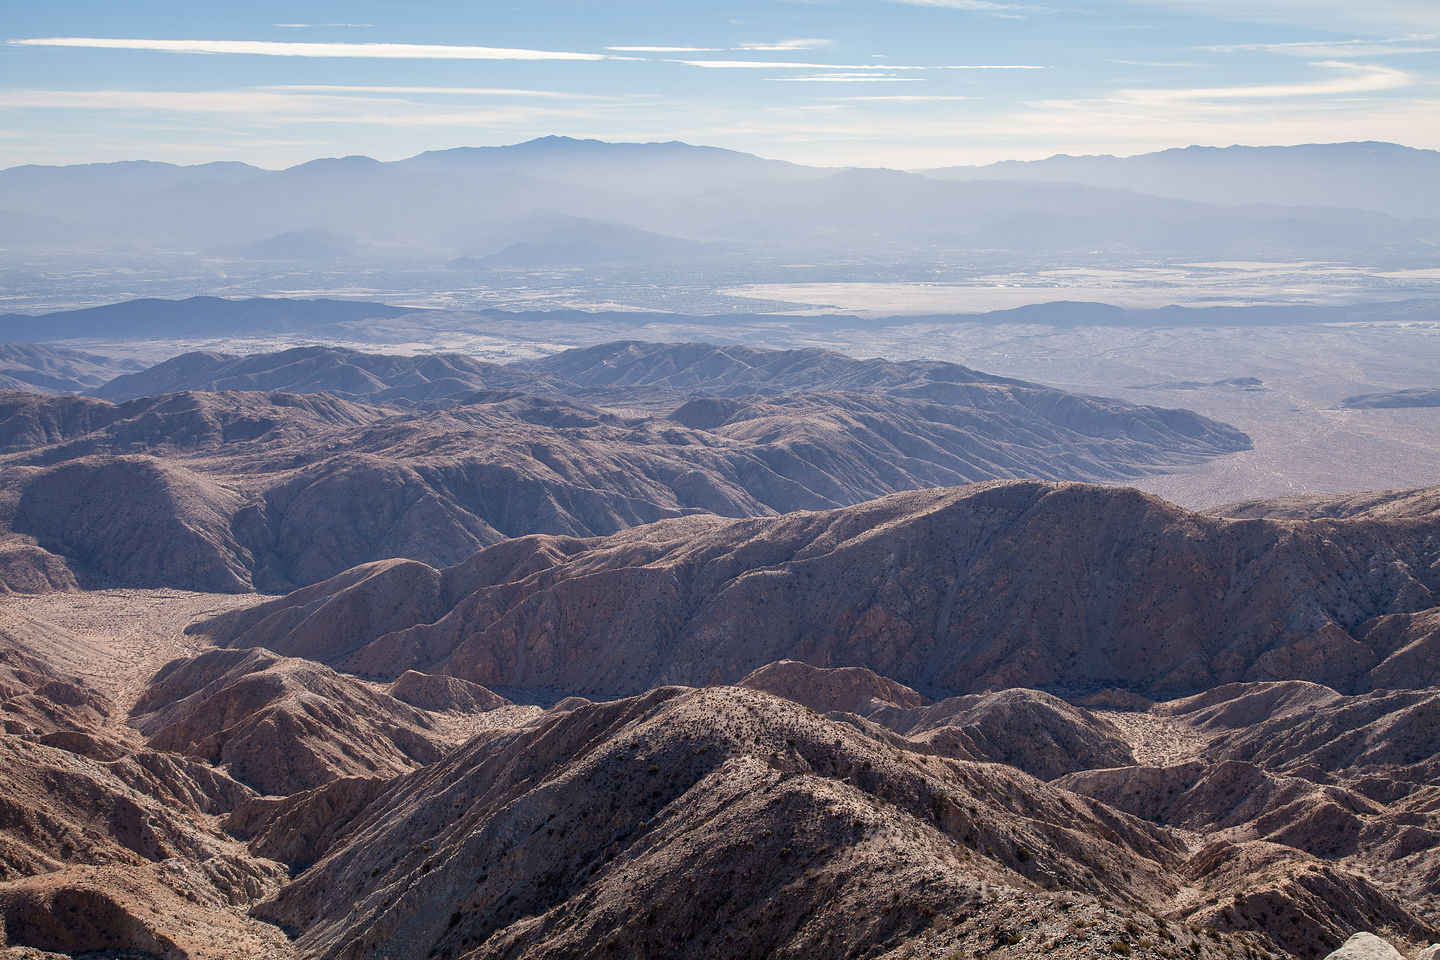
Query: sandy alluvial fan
[{"x": 676, "y": 650}]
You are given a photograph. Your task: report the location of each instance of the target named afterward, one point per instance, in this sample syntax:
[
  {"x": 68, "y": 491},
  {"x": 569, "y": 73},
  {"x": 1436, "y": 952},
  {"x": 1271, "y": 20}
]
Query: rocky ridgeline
[{"x": 310, "y": 461}]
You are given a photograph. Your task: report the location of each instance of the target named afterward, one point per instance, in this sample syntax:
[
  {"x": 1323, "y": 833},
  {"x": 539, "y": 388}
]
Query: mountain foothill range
[{"x": 683, "y": 649}]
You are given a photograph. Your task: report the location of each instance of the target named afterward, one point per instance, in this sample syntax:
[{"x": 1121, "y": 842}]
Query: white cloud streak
[
  {"x": 285, "y": 48},
  {"x": 1355, "y": 78},
  {"x": 665, "y": 49},
  {"x": 1157, "y": 63},
  {"x": 1371, "y": 16},
  {"x": 848, "y": 67},
  {"x": 1338, "y": 49},
  {"x": 782, "y": 45},
  {"x": 847, "y": 78},
  {"x": 898, "y": 98},
  {"x": 443, "y": 91}
]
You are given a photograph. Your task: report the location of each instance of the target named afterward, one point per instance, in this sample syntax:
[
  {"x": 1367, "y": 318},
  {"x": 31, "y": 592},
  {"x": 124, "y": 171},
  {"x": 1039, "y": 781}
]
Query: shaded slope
[
  {"x": 1394, "y": 399},
  {"x": 138, "y": 521},
  {"x": 969, "y": 589}
]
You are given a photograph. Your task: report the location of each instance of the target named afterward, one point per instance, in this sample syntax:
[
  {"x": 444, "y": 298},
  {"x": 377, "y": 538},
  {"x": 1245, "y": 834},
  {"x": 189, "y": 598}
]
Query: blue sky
[{"x": 900, "y": 83}]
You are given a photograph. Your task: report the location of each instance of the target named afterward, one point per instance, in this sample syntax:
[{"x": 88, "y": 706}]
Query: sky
[{"x": 909, "y": 84}]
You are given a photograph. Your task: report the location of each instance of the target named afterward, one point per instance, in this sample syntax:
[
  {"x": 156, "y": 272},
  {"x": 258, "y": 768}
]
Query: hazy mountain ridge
[
  {"x": 457, "y": 203},
  {"x": 193, "y": 317},
  {"x": 1395, "y": 399},
  {"x": 1384, "y": 177}
]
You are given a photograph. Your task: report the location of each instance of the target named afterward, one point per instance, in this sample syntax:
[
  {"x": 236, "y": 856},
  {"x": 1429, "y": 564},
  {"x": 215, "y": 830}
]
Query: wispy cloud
[
  {"x": 789, "y": 65},
  {"x": 1157, "y": 63},
  {"x": 282, "y": 48},
  {"x": 1338, "y": 49},
  {"x": 442, "y": 91},
  {"x": 848, "y": 78},
  {"x": 898, "y": 98},
  {"x": 1353, "y": 78},
  {"x": 780, "y": 45},
  {"x": 1371, "y": 16},
  {"x": 666, "y": 49},
  {"x": 849, "y": 67}
]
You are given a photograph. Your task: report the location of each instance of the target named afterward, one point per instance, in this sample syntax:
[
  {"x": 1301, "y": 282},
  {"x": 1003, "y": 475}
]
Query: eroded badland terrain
[{"x": 679, "y": 650}]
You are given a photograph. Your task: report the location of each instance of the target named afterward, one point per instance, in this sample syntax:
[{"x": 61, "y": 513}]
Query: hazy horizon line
[{"x": 712, "y": 146}]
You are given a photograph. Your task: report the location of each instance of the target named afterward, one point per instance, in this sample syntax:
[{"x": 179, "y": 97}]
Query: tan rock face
[
  {"x": 1365, "y": 946},
  {"x": 85, "y": 910},
  {"x": 976, "y": 588}
]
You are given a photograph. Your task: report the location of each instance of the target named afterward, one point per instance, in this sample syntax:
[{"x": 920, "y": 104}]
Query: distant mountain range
[
  {"x": 541, "y": 204},
  {"x": 1384, "y": 177},
  {"x": 159, "y": 323},
  {"x": 149, "y": 319}
]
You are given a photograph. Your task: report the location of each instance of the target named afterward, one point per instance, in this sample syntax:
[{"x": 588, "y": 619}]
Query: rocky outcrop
[
  {"x": 1365, "y": 946},
  {"x": 1302, "y": 907}
]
